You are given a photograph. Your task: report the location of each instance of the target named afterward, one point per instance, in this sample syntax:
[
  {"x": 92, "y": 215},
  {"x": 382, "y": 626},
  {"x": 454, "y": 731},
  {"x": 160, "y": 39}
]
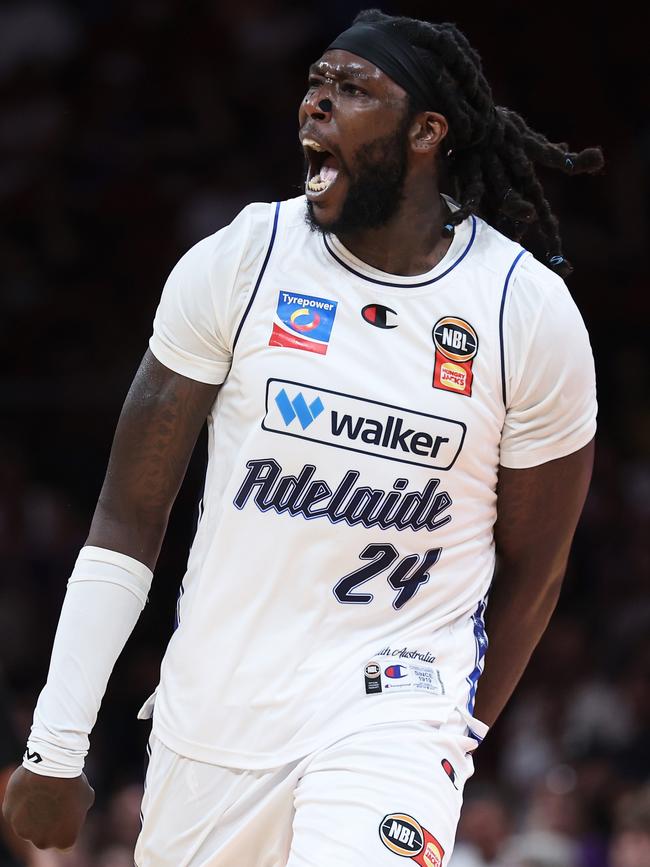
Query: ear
[{"x": 427, "y": 131}]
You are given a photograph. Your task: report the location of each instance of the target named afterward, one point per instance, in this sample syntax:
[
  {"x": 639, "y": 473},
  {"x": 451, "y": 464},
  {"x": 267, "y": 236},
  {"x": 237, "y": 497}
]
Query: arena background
[{"x": 131, "y": 129}]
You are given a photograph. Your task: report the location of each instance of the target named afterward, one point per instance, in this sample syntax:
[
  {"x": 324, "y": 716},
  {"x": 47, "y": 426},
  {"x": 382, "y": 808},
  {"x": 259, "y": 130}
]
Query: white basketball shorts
[{"x": 383, "y": 796}]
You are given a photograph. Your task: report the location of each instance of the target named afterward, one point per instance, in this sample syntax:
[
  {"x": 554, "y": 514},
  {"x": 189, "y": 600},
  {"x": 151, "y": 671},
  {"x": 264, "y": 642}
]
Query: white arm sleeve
[
  {"x": 549, "y": 371},
  {"x": 106, "y": 593},
  {"x": 205, "y": 295}
]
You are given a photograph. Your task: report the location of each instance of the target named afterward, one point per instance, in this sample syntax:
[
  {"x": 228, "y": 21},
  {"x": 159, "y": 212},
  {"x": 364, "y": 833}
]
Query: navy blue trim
[
  {"x": 481, "y": 643},
  {"x": 405, "y": 285},
  {"x": 261, "y": 274},
  {"x": 503, "y": 304}
]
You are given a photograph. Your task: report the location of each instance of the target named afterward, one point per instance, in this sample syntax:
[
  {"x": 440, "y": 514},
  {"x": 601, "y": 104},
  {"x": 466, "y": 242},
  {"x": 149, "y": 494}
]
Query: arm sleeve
[
  {"x": 204, "y": 298},
  {"x": 549, "y": 371},
  {"x": 106, "y": 593}
]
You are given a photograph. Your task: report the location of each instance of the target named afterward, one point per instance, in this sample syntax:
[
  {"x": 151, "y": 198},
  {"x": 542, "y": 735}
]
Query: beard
[{"x": 376, "y": 188}]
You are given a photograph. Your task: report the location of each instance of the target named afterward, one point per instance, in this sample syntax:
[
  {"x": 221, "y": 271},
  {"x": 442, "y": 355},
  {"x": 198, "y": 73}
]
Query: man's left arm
[{"x": 537, "y": 512}]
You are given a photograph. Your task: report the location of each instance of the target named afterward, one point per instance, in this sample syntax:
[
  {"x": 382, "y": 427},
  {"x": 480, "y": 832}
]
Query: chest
[{"x": 411, "y": 375}]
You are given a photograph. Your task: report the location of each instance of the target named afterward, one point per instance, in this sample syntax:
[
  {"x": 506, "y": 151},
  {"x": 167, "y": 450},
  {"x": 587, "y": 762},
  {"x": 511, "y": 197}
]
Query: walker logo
[
  {"x": 404, "y": 836},
  {"x": 303, "y": 322},
  {"x": 297, "y": 408},
  {"x": 369, "y": 427}
]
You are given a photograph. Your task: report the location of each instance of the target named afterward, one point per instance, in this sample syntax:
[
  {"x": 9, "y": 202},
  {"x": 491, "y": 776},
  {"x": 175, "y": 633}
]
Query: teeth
[
  {"x": 316, "y": 185},
  {"x": 310, "y": 143}
]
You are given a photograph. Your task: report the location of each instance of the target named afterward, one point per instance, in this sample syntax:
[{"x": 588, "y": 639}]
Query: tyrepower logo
[{"x": 356, "y": 424}]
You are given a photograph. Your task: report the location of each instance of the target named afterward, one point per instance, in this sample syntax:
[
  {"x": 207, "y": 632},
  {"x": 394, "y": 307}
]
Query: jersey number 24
[{"x": 406, "y": 577}]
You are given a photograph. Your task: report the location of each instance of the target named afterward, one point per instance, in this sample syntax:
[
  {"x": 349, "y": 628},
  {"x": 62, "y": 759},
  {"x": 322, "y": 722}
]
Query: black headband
[{"x": 394, "y": 55}]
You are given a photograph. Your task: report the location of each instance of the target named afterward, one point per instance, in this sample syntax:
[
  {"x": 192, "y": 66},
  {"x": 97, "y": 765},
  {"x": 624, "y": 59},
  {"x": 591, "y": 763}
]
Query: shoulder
[
  {"x": 293, "y": 213},
  {"x": 540, "y": 298},
  {"x": 233, "y": 247},
  {"x": 249, "y": 227},
  {"x": 534, "y": 278},
  {"x": 257, "y": 225},
  {"x": 523, "y": 277},
  {"x": 493, "y": 254}
]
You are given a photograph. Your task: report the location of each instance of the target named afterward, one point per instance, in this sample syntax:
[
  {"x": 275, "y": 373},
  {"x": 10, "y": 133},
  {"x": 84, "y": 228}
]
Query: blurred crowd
[{"x": 131, "y": 129}]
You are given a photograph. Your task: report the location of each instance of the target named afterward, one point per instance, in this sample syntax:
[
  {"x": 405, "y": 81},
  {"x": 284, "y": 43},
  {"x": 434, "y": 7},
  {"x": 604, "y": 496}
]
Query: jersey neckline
[{"x": 458, "y": 249}]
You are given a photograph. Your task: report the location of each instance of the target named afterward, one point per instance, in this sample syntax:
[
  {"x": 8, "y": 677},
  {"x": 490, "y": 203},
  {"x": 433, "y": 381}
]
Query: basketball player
[{"x": 401, "y": 411}]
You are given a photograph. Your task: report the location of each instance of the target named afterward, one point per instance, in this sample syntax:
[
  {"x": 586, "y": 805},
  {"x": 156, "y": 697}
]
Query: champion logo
[
  {"x": 379, "y": 315},
  {"x": 298, "y": 408},
  {"x": 448, "y": 768}
]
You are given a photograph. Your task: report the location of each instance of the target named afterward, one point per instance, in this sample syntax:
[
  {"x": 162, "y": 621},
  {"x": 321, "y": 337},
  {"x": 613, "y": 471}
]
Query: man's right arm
[{"x": 156, "y": 433}]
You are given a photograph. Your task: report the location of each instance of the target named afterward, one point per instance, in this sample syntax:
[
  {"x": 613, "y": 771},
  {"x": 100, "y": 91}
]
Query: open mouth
[{"x": 323, "y": 168}]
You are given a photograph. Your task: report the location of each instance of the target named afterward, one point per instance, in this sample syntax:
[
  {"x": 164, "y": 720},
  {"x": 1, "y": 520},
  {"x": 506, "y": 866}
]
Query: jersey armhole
[
  {"x": 269, "y": 248},
  {"x": 502, "y": 352}
]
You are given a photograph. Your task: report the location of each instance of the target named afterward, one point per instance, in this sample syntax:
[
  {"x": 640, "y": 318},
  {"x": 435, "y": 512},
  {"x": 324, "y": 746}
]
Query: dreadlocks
[{"x": 491, "y": 152}]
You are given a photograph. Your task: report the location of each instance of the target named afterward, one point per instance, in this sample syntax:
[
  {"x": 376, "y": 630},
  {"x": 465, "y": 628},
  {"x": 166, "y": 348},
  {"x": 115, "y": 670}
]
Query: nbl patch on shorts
[
  {"x": 404, "y": 836},
  {"x": 456, "y": 345},
  {"x": 303, "y": 322}
]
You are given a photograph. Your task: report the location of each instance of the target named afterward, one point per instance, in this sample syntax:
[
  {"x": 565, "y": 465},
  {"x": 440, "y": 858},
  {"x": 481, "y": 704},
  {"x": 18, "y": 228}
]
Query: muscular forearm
[{"x": 516, "y": 619}]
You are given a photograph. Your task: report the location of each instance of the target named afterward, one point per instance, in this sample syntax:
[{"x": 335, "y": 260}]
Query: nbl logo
[
  {"x": 455, "y": 339},
  {"x": 456, "y": 345},
  {"x": 404, "y": 836},
  {"x": 401, "y": 834}
]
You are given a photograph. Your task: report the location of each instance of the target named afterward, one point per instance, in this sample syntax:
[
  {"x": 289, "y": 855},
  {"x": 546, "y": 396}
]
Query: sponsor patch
[
  {"x": 432, "y": 854},
  {"x": 456, "y": 345},
  {"x": 344, "y": 421},
  {"x": 303, "y": 322},
  {"x": 372, "y": 675},
  {"x": 406, "y": 837},
  {"x": 379, "y": 315},
  {"x": 298, "y": 408}
]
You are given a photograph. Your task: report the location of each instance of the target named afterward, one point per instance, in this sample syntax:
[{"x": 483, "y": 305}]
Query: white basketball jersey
[{"x": 340, "y": 569}]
